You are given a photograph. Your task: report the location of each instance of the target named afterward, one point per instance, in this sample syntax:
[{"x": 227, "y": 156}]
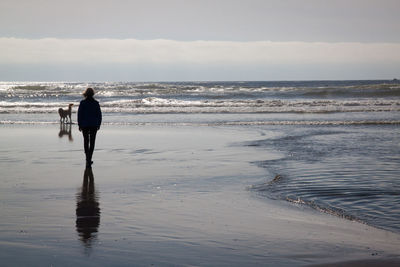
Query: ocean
[{"x": 339, "y": 141}]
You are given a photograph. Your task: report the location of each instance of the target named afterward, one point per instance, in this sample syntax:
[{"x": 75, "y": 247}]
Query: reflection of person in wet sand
[
  {"x": 87, "y": 209},
  {"x": 65, "y": 129},
  {"x": 89, "y": 121}
]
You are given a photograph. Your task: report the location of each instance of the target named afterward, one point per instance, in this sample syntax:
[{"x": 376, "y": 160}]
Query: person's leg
[
  {"x": 92, "y": 140},
  {"x": 85, "y": 133}
]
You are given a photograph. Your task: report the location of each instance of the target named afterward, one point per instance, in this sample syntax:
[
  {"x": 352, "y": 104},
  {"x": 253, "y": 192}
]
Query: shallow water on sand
[{"x": 347, "y": 171}]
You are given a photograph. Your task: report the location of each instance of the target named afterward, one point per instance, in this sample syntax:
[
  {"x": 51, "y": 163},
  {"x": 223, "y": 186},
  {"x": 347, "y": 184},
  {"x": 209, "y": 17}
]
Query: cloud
[{"x": 167, "y": 52}]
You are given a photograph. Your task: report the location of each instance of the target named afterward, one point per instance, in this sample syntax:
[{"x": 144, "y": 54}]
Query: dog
[{"x": 64, "y": 114}]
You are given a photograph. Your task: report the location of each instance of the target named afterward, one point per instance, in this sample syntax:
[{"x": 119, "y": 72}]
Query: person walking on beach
[{"x": 89, "y": 121}]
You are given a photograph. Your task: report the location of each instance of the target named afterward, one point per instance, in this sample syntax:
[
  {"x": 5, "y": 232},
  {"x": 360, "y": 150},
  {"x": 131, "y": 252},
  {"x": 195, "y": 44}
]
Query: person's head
[{"x": 89, "y": 92}]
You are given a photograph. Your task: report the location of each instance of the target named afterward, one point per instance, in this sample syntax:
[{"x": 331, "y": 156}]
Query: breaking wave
[{"x": 162, "y": 105}]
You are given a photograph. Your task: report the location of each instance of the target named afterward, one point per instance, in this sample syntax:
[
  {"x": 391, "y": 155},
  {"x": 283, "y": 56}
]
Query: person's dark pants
[{"x": 89, "y": 139}]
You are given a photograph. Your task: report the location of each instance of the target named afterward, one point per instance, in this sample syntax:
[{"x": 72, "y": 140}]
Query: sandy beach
[{"x": 166, "y": 196}]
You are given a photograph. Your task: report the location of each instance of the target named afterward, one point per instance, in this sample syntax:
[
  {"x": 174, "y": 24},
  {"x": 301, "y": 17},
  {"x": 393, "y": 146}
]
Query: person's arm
[
  {"x": 79, "y": 116},
  {"x": 100, "y": 117}
]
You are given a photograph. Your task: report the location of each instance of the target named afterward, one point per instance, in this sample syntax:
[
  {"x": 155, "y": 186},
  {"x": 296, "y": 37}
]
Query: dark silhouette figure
[
  {"x": 65, "y": 129},
  {"x": 89, "y": 121},
  {"x": 87, "y": 210}
]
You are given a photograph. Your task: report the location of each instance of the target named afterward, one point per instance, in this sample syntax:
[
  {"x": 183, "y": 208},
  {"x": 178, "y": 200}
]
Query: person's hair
[{"x": 89, "y": 92}]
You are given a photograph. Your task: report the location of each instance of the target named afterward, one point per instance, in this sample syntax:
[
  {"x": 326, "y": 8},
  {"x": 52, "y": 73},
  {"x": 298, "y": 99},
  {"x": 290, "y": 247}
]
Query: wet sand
[{"x": 160, "y": 195}]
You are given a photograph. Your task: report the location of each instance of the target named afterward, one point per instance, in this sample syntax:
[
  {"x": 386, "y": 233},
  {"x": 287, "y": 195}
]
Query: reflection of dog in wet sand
[
  {"x": 64, "y": 114},
  {"x": 65, "y": 129}
]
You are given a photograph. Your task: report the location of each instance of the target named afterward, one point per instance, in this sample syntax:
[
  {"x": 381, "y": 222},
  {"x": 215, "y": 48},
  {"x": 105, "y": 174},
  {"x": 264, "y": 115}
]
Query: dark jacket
[{"x": 89, "y": 113}]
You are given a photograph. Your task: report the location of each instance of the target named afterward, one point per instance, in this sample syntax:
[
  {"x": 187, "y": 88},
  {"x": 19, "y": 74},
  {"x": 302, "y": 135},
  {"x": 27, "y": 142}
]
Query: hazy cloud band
[{"x": 132, "y": 51}]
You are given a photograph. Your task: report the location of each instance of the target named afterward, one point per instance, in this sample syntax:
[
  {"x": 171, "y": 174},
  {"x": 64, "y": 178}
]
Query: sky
[{"x": 197, "y": 40}]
